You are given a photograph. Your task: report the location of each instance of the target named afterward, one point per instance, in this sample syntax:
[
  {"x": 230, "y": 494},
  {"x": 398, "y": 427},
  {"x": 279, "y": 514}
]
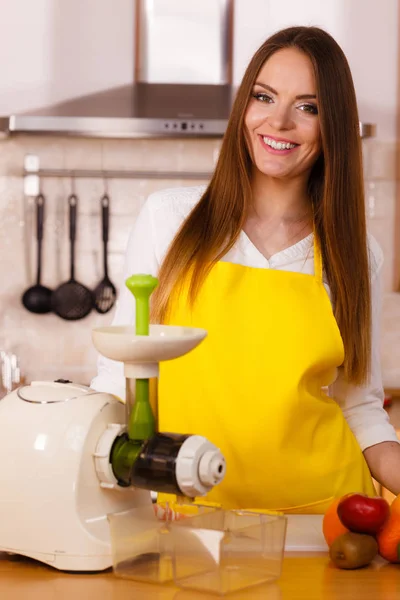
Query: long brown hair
[{"x": 335, "y": 188}]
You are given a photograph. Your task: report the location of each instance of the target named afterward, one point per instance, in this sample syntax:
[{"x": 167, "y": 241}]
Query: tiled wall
[
  {"x": 50, "y": 347},
  {"x": 380, "y": 195}
]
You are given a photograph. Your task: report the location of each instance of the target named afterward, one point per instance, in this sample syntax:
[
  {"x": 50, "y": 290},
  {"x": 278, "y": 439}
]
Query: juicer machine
[{"x": 72, "y": 456}]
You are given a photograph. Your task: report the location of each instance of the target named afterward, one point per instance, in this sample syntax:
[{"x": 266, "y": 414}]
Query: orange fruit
[
  {"x": 332, "y": 526},
  {"x": 395, "y": 506},
  {"x": 389, "y": 537}
]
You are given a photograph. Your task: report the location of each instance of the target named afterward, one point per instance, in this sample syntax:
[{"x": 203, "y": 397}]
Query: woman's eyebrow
[{"x": 300, "y": 97}]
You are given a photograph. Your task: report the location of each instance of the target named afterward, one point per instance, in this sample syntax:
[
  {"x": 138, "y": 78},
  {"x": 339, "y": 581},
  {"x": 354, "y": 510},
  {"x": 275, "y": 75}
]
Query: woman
[{"x": 273, "y": 259}]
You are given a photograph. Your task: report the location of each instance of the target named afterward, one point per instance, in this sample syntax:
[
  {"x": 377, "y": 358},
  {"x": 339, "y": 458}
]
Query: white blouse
[{"x": 154, "y": 230}]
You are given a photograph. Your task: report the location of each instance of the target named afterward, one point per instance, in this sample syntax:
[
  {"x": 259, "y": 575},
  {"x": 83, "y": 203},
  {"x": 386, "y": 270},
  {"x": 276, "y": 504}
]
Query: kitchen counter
[{"x": 304, "y": 577}]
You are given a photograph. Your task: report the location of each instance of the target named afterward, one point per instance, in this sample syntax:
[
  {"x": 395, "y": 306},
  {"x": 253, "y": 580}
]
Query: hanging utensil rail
[
  {"x": 32, "y": 174},
  {"x": 124, "y": 174}
]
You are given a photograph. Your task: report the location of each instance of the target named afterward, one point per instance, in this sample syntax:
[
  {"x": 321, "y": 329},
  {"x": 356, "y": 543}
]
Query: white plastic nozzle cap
[
  {"x": 199, "y": 466},
  {"x": 212, "y": 468}
]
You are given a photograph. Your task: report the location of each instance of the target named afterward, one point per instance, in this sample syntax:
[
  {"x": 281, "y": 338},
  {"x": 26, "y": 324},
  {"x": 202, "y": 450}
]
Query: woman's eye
[
  {"x": 310, "y": 108},
  {"x": 262, "y": 97}
]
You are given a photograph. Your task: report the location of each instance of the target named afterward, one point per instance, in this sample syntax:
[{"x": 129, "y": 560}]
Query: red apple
[{"x": 363, "y": 514}]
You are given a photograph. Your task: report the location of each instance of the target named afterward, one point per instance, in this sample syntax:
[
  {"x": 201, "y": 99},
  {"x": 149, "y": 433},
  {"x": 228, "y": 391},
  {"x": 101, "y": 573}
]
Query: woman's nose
[{"x": 280, "y": 118}]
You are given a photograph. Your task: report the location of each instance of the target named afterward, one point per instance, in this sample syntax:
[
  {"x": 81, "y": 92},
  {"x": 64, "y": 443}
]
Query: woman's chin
[{"x": 275, "y": 172}]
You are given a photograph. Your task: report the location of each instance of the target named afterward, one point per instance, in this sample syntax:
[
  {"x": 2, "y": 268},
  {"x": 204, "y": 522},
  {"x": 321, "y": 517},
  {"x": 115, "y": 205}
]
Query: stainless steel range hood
[
  {"x": 183, "y": 87},
  {"x": 138, "y": 110}
]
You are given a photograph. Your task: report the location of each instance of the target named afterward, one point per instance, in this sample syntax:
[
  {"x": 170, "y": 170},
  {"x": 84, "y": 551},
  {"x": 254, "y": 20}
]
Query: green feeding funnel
[
  {"x": 142, "y": 286},
  {"x": 141, "y": 424}
]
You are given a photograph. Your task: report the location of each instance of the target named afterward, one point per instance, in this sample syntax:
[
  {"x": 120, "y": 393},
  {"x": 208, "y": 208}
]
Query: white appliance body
[{"x": 52, "y": 506}]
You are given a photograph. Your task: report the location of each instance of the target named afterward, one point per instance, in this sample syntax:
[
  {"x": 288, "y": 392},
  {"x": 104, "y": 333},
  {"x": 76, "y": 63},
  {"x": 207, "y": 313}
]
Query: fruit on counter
[
  {"x": 389, "y": 536},
  {"x": 395, "y": 506},
  {"x": 353, "y": 550},
  {"x": 332, "y": 527},
  {"x": 363, "y": 514}
]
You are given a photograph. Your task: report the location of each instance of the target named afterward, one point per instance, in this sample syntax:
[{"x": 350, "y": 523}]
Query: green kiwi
[{"x": 353, "y": 550}]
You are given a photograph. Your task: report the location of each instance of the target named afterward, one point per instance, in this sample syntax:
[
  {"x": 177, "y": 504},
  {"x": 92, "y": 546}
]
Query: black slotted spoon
[
  {"x": 105, "y": 292},
  {"x": 72, "y": 300}
]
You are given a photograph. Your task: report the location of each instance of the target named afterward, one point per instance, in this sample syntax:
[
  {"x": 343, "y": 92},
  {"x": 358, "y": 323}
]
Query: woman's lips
[{"x": 282, "y": 152}]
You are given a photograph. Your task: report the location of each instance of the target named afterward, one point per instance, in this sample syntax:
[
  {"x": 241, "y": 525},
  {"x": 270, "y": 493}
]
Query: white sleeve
[
  {"x": 141, "y": 257},
  {"x": 362, "y": 406}
]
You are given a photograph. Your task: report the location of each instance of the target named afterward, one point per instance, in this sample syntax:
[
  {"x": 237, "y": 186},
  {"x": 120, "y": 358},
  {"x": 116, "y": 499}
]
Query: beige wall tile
[
  {"x": 380, "y": 199},
  {"x": 379, "y": 159},
  {"x": 391, "y": 340},
  {"x": 124, "y": 154},
  {"x": 383, "y": 231}
]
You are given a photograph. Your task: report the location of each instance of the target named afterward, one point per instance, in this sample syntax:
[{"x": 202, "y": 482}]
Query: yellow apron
[{"x": 254, "y": 388}]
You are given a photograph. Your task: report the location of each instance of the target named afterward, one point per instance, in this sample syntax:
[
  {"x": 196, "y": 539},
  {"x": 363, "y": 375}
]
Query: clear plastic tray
[{"x": 198, "y": 547}]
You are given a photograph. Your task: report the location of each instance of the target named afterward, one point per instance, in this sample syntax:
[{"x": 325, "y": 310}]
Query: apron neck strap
[{"x": 317, "y": 260}]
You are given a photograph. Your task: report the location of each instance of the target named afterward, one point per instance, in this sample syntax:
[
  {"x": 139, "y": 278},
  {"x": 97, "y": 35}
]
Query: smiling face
[{"x": 281, "y": 123}]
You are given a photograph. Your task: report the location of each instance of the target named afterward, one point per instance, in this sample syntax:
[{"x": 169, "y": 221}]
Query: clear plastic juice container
[
  {"x": 227, "y": 550},
  {"x": 141, "y": 541},
  {"x": 200, "y": 548}
]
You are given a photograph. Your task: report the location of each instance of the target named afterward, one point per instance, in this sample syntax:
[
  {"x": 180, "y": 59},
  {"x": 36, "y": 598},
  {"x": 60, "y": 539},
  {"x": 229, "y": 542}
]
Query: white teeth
[{"x": 278, "y": 145}]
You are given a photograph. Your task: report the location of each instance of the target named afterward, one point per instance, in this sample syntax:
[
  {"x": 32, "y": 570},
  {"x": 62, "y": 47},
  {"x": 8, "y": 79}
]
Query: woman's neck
[
  {"x": 280, "y": 214},
  {"x": 277, "y": 199}
]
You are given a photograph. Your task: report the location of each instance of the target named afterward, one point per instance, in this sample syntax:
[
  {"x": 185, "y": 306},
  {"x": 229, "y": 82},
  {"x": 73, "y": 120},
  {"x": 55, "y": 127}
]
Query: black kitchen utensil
[
  {"x": 37, "y": 298},
  {"x": 105, "y": 292},
  {"x": 72, "y": 300}
]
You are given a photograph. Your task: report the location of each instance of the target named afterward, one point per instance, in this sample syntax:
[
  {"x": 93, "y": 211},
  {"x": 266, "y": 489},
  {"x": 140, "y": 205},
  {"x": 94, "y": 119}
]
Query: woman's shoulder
[
  {"x": 174, "y": 202},
  {"x": 375, "y": 255},
  {"x": 165, "y": 211}
]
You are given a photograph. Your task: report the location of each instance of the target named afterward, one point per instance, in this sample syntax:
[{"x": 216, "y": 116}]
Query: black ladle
[
  {"x": 37, "y": 298},
  {"x": 72, "y": 300},
  {"x": 105, "y": 292}
]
